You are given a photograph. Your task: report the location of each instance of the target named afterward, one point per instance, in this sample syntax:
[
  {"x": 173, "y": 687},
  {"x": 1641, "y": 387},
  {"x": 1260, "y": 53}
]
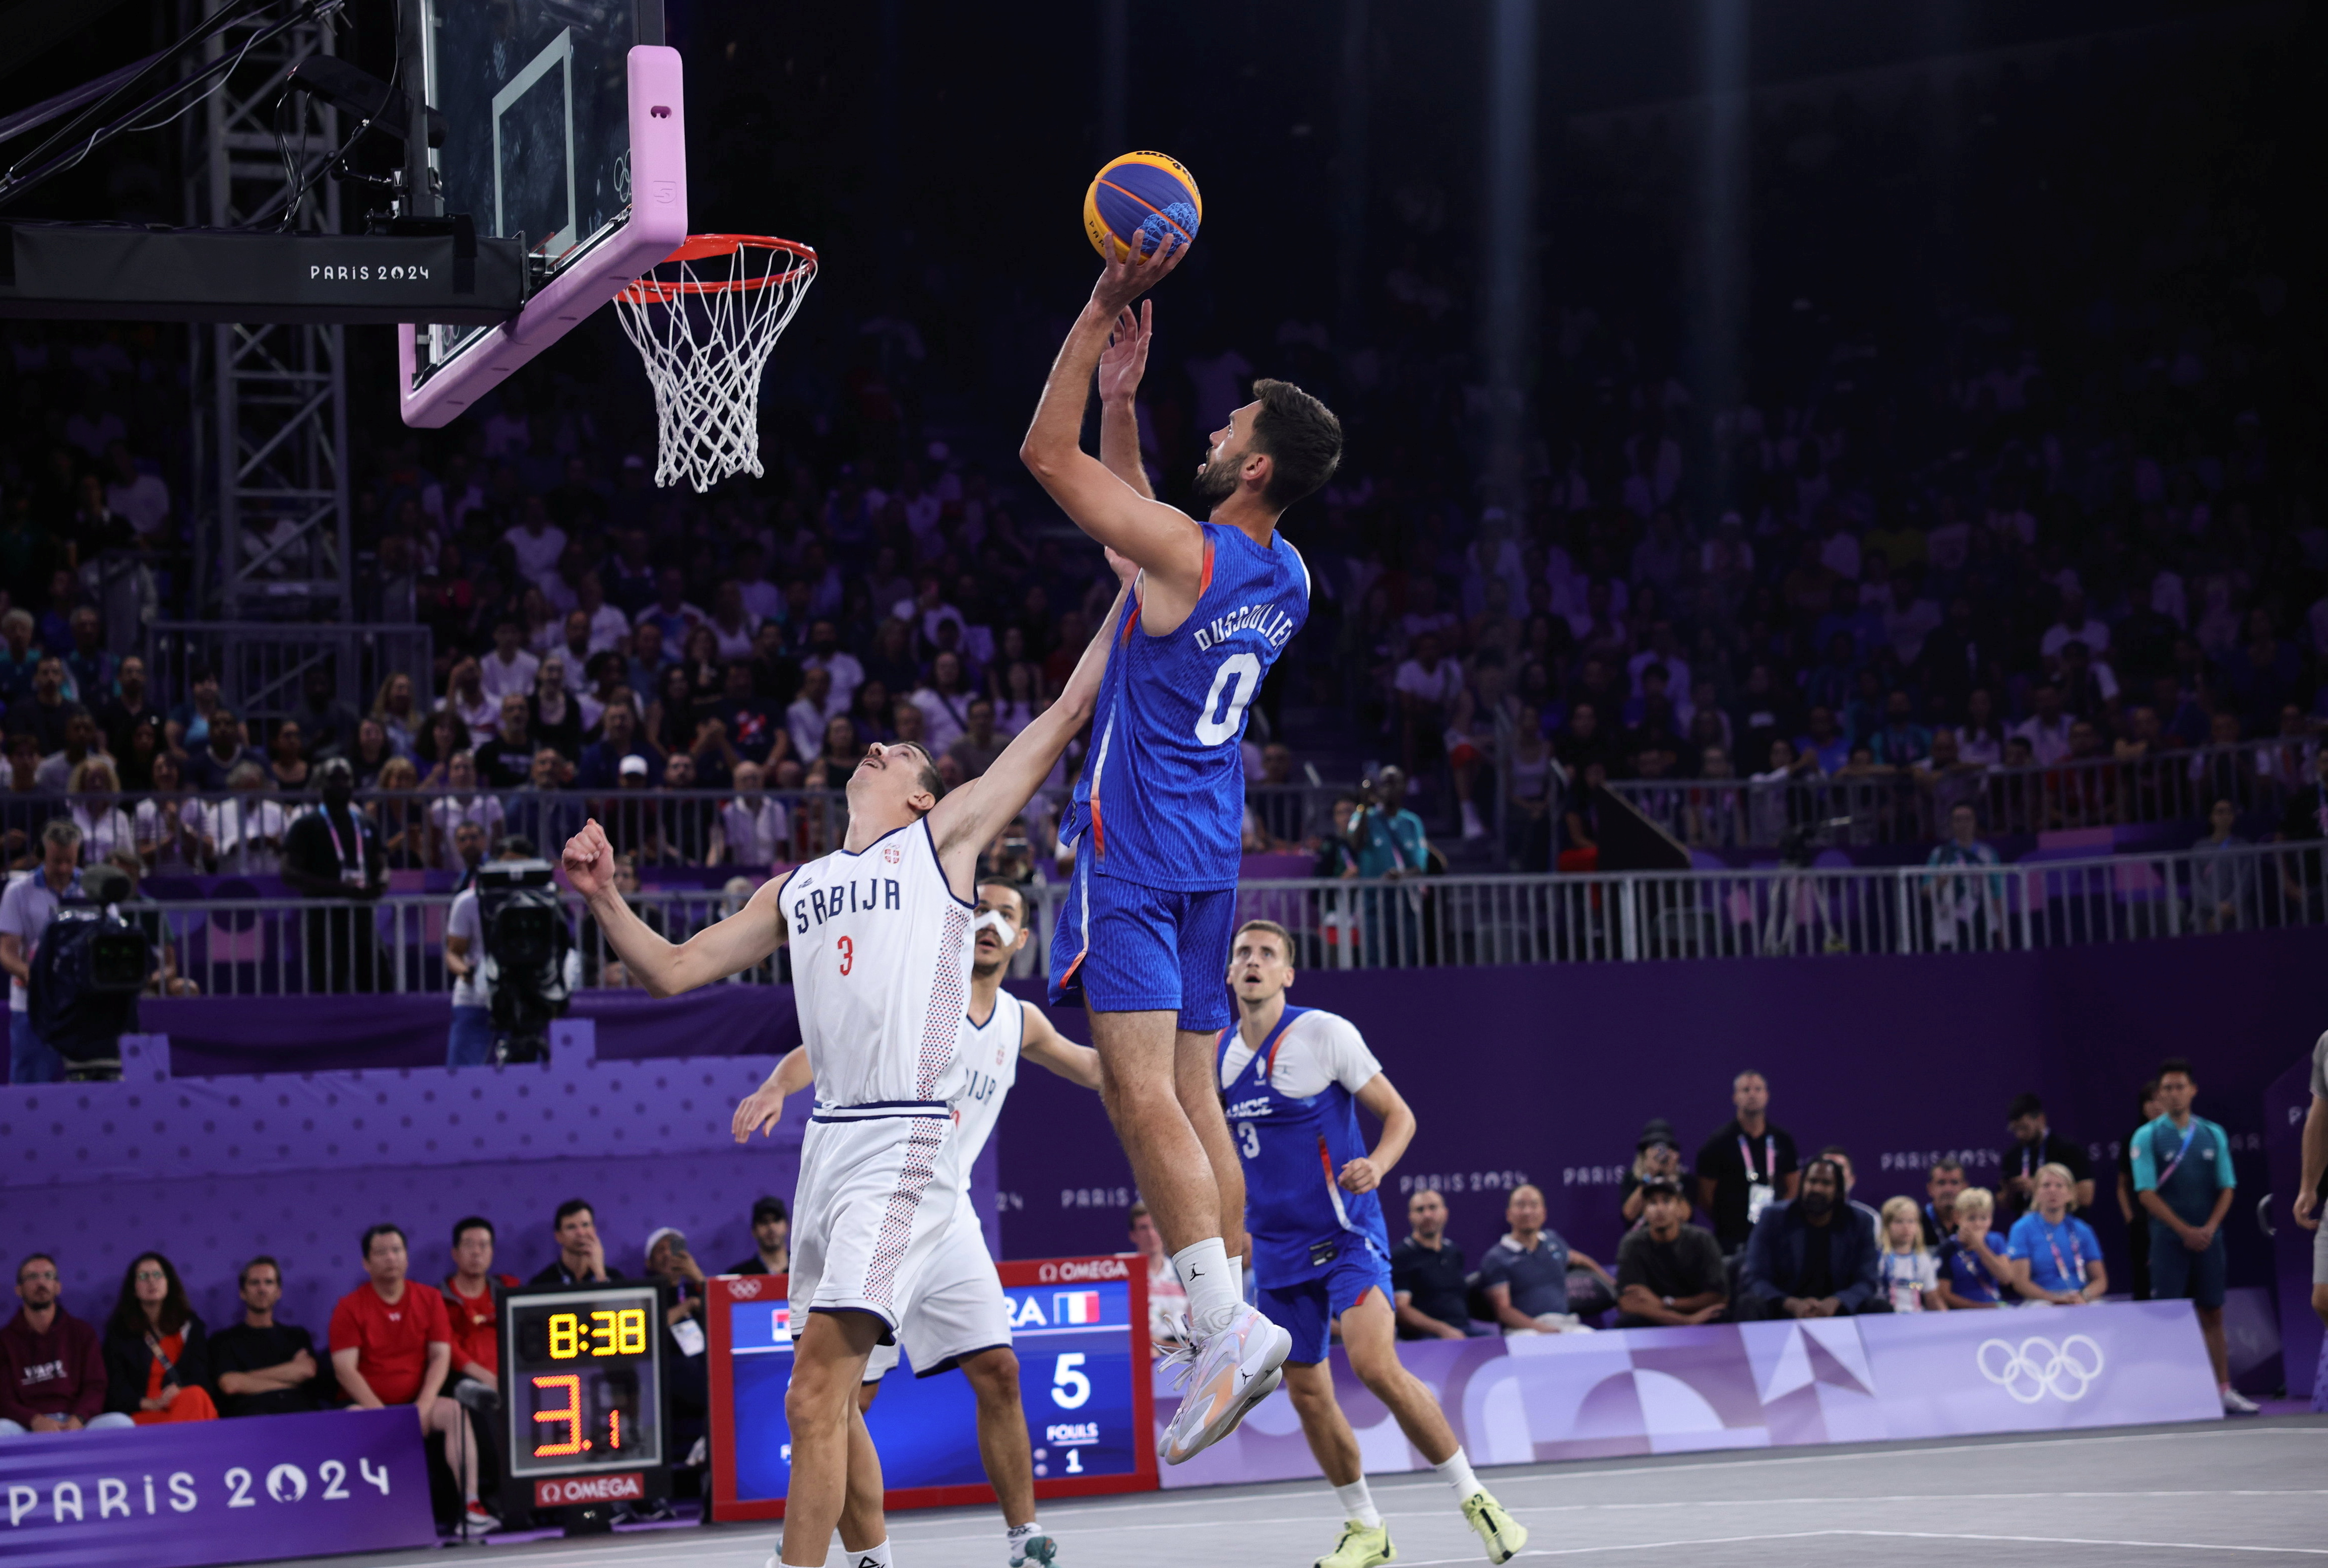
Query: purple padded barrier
[
  {"x": 1636, "y": 1390},
  {"x": 223, "y": 1492},
  {"x": 656, "y": 228},
  {"x": 211, "y": 1036},
  {"x": 1546, "y": 1074},
  {"x": 2304, "y": 1353},
  {"x": 211, "y": 1171}
]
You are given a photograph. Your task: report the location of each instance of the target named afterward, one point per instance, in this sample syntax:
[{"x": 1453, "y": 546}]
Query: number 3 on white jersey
[{"x": 1245, "y": 669}]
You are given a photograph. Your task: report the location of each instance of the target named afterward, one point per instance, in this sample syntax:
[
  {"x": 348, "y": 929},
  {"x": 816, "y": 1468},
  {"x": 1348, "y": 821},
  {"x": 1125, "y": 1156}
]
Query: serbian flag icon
[{"x": 1075, "y": 1307}]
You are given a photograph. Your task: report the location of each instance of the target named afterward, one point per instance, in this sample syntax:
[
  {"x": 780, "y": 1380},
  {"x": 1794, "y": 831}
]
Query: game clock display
[{"x": 582, "y": 1373}]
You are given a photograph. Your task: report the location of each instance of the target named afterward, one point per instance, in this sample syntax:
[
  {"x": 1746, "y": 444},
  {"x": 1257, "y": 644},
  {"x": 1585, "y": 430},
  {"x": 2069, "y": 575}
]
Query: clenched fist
[{"x": 589, "y": 860}]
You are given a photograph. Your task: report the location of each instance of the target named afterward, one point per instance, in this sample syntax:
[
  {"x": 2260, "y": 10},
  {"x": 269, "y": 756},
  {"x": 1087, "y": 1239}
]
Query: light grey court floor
[{"x": 2246, "y": 1491}]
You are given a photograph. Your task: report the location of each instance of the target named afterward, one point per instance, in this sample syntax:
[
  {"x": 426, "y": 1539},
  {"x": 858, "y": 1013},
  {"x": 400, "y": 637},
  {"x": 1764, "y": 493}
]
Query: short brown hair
[
  {"x": 1301, "y": 438},
  {"x": 1283, "y": 936}
]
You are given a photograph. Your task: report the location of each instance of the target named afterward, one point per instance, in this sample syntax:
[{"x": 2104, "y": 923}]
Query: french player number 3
[
  {"x": 1248, "y": 1141},
  {"x": 1246, "y": 670}
]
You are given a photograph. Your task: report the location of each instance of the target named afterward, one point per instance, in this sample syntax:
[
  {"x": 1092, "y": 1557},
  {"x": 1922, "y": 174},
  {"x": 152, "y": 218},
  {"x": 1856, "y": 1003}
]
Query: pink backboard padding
[{"x": 656, "y": 227}]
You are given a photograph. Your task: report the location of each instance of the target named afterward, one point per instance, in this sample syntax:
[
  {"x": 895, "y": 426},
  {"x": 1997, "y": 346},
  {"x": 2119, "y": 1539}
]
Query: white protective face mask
[{"x": 998, "y": 922}]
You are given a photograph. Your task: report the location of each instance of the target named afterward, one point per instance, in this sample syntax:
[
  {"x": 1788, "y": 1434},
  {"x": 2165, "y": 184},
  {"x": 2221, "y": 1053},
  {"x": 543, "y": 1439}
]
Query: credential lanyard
[
  {"x": 1769, "y": 1158},
  {"x": 2076, "y": 1276},
  {"x": 339, "y": 850},
  {"x": 2188, "y": 1134}
]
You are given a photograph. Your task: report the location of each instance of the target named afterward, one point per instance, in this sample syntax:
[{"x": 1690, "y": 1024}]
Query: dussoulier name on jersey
[
  {"x": 1273, "y": 623},
  {"x": 822, "y": 903}
]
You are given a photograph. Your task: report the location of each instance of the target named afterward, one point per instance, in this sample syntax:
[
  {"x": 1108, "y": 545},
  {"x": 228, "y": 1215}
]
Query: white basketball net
[{"x": 704, "y": 322}]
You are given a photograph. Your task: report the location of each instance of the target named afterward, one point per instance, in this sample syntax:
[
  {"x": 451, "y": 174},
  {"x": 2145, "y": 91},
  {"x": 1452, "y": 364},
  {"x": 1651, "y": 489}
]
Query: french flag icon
[{"x": 1075, "y": 1307}]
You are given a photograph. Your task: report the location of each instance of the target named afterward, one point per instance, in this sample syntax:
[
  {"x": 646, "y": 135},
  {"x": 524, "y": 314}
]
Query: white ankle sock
[
  {"x": 871, "y": 1557},
  {"x": 1357, "y": 1503},
  {"x": 1204, "y": 1271},
  {"x": 1236, "y": 1277},
  {"x": 1457, "y": 1471},
  {"x": 1016, "y": 1536}
]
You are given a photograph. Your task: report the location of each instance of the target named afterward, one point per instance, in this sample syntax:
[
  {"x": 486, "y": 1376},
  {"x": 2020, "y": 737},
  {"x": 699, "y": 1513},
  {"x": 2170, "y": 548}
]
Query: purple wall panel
[
  {"x": 1568, "y": 1396},
  {"x": 1547, "y": 1073},
  {"x": 213, "y": 1035},
  {"x": 211, "y": 1171}
]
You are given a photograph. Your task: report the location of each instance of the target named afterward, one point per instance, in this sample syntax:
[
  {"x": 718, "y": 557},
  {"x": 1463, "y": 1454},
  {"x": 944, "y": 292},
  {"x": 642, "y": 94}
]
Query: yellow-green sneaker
[
  {"x": 1360, "y": 1547},
  {"x": 1504, "y": 1535}
]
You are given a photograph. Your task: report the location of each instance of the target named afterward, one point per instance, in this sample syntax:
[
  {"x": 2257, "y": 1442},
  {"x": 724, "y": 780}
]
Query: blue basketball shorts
[
  {"x": 1122, "y": 948},
  {"x": 2177, "y": 1273},
  {"x": 1307, "y": 1311}
]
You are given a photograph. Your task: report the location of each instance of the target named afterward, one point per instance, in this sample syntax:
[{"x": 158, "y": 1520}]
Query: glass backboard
[{"x": 536, "y": 102}]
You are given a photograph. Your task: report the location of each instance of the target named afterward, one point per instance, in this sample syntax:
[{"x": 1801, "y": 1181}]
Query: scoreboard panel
[{"x": 1080, "y": 1329}]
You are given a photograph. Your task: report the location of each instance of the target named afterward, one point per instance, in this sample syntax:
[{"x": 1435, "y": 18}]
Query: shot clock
[{"x": 583, "y": 1385}]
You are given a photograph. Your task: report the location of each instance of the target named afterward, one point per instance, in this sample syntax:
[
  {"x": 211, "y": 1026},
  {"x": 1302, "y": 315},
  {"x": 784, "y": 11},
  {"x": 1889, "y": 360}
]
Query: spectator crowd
[
  {"x": 1784, "y": 1238},
  {"x": 391, "y": 1340}
]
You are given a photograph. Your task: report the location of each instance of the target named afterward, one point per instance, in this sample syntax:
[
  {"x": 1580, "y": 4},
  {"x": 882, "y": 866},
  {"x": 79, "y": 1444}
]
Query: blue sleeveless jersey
[
  {"x": 1291, "y": 1150},
  {"x": 1163, "y": 798}
]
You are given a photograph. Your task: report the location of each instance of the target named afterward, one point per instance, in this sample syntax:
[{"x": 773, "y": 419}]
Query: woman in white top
[
  {"x": 462, "y": 802},
  {"x": 393, "y": 707},
  {"x": 243, "y": 833},
  {"x": 465, "y": 697},
  {"x": 755, "y": 829},
  {"x": 168, "y": 826},
  {"x": 545, "y": 627},
  {"x": 1017, "y": 698},
  {"x": 1980, "y": 742},
  {"x": 96, "y": 811},
  {"x": 732, "y": 624}
]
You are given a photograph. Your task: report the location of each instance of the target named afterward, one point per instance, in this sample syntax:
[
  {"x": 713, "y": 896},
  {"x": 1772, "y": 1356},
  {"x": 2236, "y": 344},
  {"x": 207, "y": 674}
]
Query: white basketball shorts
[
  {"x": 958, "y": 1309},
  {"x": 878, "y": 1193}
]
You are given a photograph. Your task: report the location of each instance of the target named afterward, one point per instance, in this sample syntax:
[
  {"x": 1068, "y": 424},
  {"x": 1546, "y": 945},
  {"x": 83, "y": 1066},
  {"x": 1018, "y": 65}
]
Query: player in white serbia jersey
[
  {"x": 959, "y": 1316},
  {"x": 881, "y": 947},
  {"x": 1143, "y": 936}
]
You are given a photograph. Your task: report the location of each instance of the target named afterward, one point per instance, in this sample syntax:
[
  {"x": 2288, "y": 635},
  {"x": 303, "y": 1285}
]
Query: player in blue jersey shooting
[
  {"x": 1156, "y": 822},
  {"x": 1293, "y": 1079}
]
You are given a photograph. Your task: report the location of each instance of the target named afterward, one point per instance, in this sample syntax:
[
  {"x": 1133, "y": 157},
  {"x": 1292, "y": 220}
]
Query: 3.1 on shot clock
[{"x": 583, "y": 1374}]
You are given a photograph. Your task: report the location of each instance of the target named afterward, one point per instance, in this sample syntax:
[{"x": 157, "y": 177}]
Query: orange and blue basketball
[{"x": 1139, "y": 202}]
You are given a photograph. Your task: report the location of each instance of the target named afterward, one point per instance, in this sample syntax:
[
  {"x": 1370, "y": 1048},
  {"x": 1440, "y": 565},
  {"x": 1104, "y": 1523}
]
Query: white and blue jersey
[
  {"x": 1294, "y": 1114},
  {"x": 1163, "y": 800},
  {"x": 1293, "y": 1110}
]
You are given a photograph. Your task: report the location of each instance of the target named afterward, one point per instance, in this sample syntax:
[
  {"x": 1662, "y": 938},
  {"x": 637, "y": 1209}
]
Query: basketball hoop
[{"x": 704, "y": 320}]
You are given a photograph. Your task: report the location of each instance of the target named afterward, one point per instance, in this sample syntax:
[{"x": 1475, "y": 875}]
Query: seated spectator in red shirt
[
  {"x": 471, "y": 1306},
  {"x": 52, "y": 1371},
  {"x": 261, "y": 1366},
  {"x": 157, "y": 1366},
  {"x": 393, "y": 1345}
]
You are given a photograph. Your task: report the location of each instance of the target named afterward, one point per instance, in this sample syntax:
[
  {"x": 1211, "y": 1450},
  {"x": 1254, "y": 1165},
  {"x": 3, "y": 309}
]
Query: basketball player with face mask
[
  {"x": 882, "y": 949},
  {"x": 960, "y": 1317},
  {"x": 1157, "y": 817}
]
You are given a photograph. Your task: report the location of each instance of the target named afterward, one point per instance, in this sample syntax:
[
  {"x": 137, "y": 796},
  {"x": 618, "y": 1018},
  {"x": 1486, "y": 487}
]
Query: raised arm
[
  {"x": 968, "y": 819},
  {"x": 1121, "y": 366},
  {"x": 1164, "y": 541},
  {"x": 719, "y": 950}
]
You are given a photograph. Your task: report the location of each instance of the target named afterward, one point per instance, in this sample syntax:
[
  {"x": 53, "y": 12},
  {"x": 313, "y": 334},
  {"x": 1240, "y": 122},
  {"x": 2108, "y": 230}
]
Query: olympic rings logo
[
  {"x": 2038, "y": 1366},
  {"x": 745, "y": 1288}
]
